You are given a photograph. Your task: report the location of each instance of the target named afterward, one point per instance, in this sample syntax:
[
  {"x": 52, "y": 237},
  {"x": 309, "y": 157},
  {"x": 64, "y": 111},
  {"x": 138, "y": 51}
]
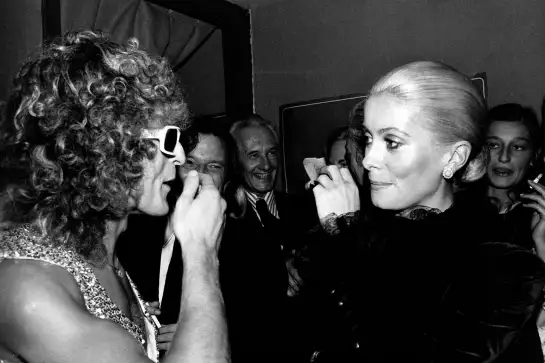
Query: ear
[{"x": 457, "y": 155}]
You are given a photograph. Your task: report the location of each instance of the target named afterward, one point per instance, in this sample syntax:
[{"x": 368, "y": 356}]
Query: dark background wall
[
  {"x": 20, "y": 35},
  {"x": 306, "y": 49},
  {"x": 202, "y": 78}
]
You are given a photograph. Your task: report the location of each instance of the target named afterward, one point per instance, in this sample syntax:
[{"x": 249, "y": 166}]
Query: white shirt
[
  {"x": 269, "y": 199},
  {"x": 166, "y": 256}
]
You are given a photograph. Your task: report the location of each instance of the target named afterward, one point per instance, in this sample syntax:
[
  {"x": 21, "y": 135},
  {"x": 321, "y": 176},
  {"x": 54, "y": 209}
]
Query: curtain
[{"x": 160, "y": 31}]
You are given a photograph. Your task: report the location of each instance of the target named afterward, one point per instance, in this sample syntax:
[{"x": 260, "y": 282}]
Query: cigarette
[
  {"x": 536, "y": 180},
  {"x": 155, "y": 321},
  {"x": 152, "y": 317}
]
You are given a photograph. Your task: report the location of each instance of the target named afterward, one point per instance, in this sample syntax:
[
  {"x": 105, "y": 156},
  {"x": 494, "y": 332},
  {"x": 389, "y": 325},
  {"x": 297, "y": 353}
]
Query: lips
[
  {"x": 375, "y": 184},
  {"x": 502, "y": 172}
]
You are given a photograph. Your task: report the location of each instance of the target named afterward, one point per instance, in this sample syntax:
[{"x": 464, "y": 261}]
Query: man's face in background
[
  {"x": 208, "y": 157},
  {"x": 257, "y": 152}
]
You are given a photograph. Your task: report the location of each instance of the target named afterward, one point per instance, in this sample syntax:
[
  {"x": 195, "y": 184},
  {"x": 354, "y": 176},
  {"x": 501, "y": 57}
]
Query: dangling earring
[{"x": 447, "y": 172}]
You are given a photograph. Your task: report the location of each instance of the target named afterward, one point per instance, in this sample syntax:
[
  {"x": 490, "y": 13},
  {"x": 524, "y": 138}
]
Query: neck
[
  {"x": 113, "y": 230},
  {"x": 257, "y": 194}
]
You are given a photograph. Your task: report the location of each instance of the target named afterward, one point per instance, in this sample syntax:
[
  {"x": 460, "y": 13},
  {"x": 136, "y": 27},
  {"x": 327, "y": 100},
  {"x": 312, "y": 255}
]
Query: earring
[{"x": 447, "y": 172}]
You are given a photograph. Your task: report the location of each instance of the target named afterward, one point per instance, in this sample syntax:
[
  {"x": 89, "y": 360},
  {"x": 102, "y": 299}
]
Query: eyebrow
[
  {"x": 393, "y": 129},
  {"x": 518, "y": 138},
  {"x": 207, "y": 161},
  {"x": 258, "y": 149},
  {"x": 216, "y": 162}
]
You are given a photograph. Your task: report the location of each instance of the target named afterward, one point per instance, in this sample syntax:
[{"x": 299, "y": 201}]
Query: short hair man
[{"x": 259, "y": 236}]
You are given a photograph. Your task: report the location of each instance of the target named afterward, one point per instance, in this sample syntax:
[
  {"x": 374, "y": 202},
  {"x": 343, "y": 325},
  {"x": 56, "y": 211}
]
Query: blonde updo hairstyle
[{"x": 450, "y": 106}]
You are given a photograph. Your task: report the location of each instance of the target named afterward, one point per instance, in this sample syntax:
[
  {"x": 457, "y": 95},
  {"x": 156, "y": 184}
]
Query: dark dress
[
  {"x": 435, "y": 289},
  {"x": 514, "y": 227}
]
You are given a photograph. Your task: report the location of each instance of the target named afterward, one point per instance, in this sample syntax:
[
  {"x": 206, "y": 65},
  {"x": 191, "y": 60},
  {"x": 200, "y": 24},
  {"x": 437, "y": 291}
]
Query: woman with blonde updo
[
  {"x": 415, "y": 278},
  {"x": 91, "y": 134}
]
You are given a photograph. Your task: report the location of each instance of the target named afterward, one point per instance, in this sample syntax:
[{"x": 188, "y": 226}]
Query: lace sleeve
[
  {"x": 334, "y": 225},
  {"x": 328, "y": 248}
]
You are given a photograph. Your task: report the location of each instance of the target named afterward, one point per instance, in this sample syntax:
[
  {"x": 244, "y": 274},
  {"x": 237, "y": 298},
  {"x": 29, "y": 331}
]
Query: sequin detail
[{"x": 23, "y": 243}]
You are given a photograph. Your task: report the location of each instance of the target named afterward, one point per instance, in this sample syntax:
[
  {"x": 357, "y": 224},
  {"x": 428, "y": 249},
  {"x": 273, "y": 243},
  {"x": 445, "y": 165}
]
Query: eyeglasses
[{"x": 169, "y": 139}]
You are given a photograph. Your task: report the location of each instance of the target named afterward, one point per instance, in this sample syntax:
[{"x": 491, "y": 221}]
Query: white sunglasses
[{"x": 169, "y": 139}]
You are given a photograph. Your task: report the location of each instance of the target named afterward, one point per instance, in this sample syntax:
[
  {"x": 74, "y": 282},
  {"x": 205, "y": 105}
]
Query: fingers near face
[{"x": 347, "y": 176}]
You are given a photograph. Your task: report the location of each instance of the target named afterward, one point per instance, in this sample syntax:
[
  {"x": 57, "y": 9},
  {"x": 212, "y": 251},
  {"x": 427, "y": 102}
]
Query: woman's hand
[
  {"x": 336, "y": 192},
  {"x": 537, "y": 202},
  {"x": 198, "y": 219},
  {"x": 165, "y": 336}
]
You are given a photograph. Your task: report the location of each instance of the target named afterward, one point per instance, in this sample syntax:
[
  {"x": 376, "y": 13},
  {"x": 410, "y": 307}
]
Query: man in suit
[
  {"x": 262, "y": 229},
  {"x": 155, "y": 267}
]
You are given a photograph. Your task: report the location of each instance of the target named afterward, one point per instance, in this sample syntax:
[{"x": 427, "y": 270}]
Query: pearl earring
[{"x": 447, "y": 172}]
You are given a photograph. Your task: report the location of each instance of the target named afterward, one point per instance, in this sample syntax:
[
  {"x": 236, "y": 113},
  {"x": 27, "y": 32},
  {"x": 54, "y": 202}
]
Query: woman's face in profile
[
  {"x": 404, "y": 162},
  {"x": 511, "y": 152}
]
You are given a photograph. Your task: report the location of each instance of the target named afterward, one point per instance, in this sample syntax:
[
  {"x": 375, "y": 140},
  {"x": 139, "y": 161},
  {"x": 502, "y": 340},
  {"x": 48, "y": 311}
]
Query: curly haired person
[{"x": 91, "y": 134}]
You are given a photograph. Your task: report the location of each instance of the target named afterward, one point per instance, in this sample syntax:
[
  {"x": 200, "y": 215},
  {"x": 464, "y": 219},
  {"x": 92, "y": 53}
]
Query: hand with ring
[{"x": 336, "y": 192}]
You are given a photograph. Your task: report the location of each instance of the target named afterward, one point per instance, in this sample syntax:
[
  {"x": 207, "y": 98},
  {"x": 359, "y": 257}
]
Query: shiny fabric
[
  {"x": 430, "y": 290},
  {"x": 24, "y": 243}
]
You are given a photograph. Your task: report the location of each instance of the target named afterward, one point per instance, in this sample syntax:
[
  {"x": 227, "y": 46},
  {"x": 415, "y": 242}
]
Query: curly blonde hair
[{"x": 71, "y": 134}]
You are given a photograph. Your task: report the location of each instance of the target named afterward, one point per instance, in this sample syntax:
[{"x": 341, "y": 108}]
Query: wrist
[{"x": 199, "y": 257}]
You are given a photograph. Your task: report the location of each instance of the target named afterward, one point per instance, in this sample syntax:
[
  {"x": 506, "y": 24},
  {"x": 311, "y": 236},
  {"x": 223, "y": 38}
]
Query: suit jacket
[
  {"x": 253, "y": 274},
  {"x": 254, "y": 279}
]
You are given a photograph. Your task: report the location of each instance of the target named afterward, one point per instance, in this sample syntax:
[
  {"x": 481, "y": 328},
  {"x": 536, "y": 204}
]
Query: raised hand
[
  {"x": 536, "y": 201},
  {"x": 198, "y": 219},
  {"x": 336, "y": 192}
]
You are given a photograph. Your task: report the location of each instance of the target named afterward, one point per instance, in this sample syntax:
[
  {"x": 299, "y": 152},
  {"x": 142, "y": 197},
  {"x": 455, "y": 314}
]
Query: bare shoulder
[
  {"x": 43, "y": 319},
  {"x": 24, "y": 278}
]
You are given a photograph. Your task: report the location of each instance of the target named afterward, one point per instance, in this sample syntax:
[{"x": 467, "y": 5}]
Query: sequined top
[{"x": 23, "y": 243}]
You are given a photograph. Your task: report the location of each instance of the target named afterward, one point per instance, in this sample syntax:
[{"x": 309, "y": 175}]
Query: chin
[
  {"x": 388, "y": 202},
  {"x": 263, "y": 187},
  {"x": 502, "y": 183},
  {"x": 383, "y": 203},
  {"x": 266, "y": 189}
]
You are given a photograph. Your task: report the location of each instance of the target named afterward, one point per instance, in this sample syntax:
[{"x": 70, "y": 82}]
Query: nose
[
  {"x": 505, "y": 155},
  {"x": 264, "y": 163},
  {"x": 370, "y": 158},
  {"x": 179, "y": 155}
]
